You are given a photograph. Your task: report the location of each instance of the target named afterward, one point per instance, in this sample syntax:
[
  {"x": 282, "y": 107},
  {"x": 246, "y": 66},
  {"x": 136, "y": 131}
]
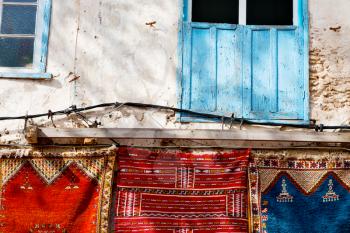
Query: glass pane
[
  {"x": 18, "y": 19},
  {"x": 215, "y": 11},
  {"x": 270, "y": 12},
  {"x": 16, "y": 52},
  {"x": 19, "y": 0}
]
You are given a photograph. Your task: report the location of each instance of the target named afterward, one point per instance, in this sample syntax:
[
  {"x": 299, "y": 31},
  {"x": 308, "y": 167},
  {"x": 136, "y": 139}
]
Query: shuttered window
[
  {"x": 254, "y": 65},
  {"x": 23, "y": 37}
]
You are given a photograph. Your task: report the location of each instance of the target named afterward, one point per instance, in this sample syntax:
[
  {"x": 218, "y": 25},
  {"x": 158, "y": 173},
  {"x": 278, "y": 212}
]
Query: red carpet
[
  {"x": 52, "y": 195},
  {"x": 160, "y": 192}
]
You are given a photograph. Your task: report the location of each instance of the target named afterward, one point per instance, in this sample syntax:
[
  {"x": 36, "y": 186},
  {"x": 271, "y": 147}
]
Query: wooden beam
[{"x": 231, "y": 135}]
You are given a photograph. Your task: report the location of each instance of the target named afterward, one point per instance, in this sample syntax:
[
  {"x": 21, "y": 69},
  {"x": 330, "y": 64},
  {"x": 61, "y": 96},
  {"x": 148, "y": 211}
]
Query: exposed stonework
[
  {"x": 329, "y": 94},
  {"x": 330, "y": 61}
]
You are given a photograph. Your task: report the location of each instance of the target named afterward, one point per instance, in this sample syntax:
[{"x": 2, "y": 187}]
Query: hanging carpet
[
  {"x": 300, "y": 195},
  {"x": 173, "y": 192},
  {"x": 58, "y": 193}
]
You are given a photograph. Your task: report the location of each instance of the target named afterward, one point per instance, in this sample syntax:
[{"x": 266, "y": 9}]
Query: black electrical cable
[{"x": 75, "y": 109}]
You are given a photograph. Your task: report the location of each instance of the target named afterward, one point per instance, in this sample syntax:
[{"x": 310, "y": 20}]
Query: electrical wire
[{"x": 224, "y": 119}]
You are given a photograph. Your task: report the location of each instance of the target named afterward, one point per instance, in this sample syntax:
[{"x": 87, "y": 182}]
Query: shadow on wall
[{"x": 114, "y": 52}]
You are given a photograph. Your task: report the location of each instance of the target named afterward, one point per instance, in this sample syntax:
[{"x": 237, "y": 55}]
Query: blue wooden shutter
[
  {"x": 212, "y": 77},
  {"x": 274, "y": 79},
  {"x": 256, "y": 72},
  {"x": 276, "y": 70}
]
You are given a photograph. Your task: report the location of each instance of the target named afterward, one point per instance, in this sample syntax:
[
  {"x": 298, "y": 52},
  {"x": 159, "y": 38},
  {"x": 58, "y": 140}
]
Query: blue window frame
[
  {"x": 24, "y": 31},
  {"x": 258, "y": 72}
]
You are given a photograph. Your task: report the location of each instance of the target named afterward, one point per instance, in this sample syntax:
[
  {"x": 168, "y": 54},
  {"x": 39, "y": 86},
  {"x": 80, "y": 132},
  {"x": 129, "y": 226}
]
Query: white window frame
[{"x": 38, "y": 68}]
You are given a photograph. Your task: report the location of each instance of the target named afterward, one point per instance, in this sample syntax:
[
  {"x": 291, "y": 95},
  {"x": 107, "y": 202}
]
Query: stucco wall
[{"x": 103, "y": 51}]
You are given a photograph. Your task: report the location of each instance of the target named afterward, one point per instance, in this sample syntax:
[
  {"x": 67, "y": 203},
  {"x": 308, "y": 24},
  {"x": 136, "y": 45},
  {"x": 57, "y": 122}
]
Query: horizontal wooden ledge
[{"x": 232, "y": 135}]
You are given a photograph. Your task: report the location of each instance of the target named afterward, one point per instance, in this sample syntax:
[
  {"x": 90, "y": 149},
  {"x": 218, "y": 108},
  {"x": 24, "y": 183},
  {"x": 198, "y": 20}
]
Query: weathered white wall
[{"x": 114, "y": 56}]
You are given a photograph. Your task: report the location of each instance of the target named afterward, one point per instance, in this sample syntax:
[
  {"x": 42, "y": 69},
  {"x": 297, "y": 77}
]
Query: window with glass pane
[
  {"x": 17, "y": 32},
  {"x": 215, "y": 11},
  {"x": 270, "y": 12}
]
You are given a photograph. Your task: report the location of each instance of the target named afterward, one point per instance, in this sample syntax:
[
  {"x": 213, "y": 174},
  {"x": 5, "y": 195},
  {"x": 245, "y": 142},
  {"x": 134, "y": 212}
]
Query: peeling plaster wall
[
  {"x": 103, "y": 51},
  {"x": 330, "y": 61}
]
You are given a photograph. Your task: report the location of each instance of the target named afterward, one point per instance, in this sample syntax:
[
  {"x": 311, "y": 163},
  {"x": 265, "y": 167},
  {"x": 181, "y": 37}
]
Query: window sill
[{"x": 17, "y": 75}]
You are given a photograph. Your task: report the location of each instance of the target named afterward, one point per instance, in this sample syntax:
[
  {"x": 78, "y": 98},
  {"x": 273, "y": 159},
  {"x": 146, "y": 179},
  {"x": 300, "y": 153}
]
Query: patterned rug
[
  {"x": 57, "y": 194},
  {"x": 294, "y": 195},
  {"x": 161, "y": 192}
]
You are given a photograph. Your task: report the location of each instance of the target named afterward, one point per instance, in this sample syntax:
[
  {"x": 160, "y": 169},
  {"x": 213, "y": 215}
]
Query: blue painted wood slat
[
  {"x": 229, "y": 71},
  {"x": 203, "y": 81}
]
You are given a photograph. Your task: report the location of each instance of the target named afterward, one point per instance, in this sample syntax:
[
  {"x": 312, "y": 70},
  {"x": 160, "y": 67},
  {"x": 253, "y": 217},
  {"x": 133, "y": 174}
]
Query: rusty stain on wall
[
  {"x": 151, "y": 24},
  {"x": 335, "y": 29}
]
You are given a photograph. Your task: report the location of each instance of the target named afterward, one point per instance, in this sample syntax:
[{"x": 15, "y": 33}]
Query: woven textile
[
  {"x": 294, "y": 195},
  {"x": 56, "y": 195},
  {"x": 161, "y": 192}
]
